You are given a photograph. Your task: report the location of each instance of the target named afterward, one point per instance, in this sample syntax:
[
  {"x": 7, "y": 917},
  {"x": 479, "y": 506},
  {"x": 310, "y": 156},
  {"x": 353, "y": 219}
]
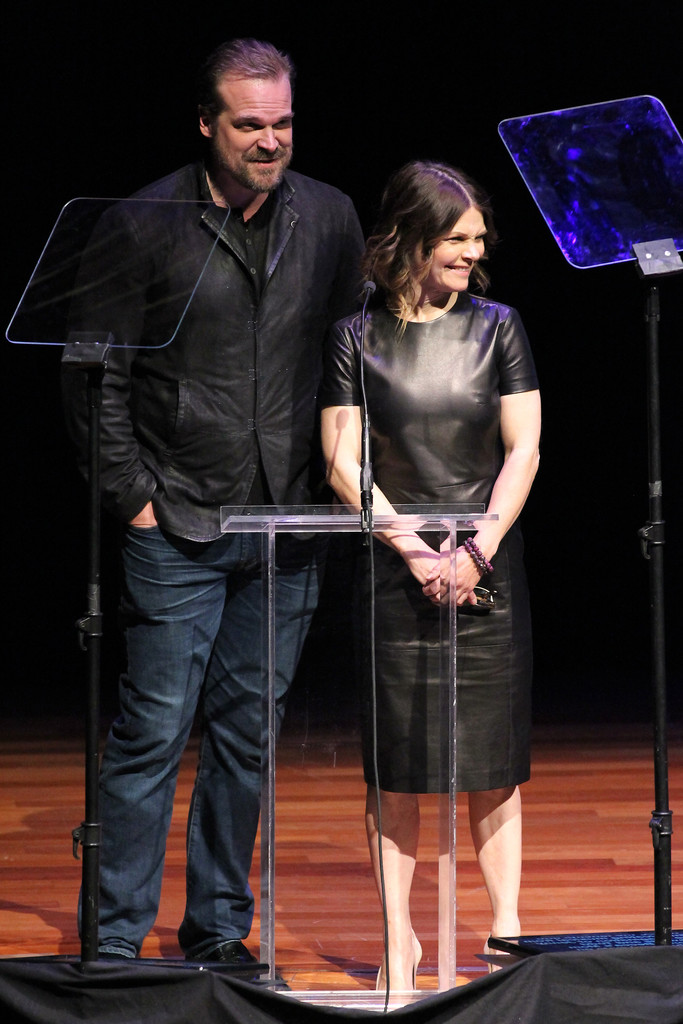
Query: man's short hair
[{"x": 239, "y": 58}]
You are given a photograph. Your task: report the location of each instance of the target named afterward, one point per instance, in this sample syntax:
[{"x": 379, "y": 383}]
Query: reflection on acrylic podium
[{"x": 443, "y": 520}]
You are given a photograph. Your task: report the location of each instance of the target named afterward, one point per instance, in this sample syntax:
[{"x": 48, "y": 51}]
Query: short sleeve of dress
[
  {"x": 341, "y": 384},
  {"x": 516, "y": 368}
]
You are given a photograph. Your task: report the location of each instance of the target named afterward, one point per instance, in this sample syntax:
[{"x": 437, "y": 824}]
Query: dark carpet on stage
[{"x": 624, "y": 986}]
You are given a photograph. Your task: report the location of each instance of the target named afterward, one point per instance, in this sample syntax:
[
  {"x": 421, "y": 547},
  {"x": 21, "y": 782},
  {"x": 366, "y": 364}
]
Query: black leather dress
[{"x": 434, "y": 402}]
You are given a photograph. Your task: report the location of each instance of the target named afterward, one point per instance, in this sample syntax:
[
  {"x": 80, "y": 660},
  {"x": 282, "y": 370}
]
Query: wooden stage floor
[{"x": 588, "y": 858}]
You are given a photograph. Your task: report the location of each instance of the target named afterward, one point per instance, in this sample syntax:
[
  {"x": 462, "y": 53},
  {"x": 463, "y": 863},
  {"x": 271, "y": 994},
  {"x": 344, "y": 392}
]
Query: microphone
[{"x": 366, "y": 480}]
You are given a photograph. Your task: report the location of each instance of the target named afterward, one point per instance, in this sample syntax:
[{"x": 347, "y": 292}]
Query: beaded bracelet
[{"x": 477, "y": 556}]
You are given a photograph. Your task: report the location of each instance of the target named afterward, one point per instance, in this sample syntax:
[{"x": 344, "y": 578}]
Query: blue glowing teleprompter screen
[{"x": 604, "y": 176}]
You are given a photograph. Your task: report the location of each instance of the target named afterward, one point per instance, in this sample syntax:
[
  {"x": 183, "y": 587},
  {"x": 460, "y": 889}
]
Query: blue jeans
[{"x": 193, "y": 631}]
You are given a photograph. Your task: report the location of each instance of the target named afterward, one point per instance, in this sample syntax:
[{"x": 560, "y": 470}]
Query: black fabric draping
[{"x": 623, "y": 986}]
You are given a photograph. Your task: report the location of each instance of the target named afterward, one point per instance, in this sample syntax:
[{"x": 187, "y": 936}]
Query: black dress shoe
[{"x": 231, "y": 952}]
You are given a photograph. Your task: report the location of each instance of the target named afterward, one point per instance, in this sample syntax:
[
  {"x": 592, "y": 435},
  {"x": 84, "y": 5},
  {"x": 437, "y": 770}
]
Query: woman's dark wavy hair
[{"x": 420, "y": 204}]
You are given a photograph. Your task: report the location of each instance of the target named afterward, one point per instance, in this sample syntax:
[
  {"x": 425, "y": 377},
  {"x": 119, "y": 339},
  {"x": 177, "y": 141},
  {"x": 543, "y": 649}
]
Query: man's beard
[{"x": 249, "y": 177}]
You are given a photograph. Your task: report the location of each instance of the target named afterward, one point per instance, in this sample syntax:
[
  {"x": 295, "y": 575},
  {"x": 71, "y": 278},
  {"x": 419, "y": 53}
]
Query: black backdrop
[{"x": 99, "y": 100}]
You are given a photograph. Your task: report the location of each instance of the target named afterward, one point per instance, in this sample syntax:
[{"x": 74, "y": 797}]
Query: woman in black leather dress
[{"x": 454, "y": 409}]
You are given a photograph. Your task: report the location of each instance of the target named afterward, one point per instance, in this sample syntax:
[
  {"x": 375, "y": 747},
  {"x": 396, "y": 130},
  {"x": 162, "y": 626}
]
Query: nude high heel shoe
[
  {"x": 501, "y": 958},
  {"x": 381, "y": 983}
]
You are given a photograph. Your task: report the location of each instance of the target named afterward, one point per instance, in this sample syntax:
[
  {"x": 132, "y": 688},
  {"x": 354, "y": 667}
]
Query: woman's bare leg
[
  {"x": 400, "y": 835},
  {"x": 496, "y": 826}
]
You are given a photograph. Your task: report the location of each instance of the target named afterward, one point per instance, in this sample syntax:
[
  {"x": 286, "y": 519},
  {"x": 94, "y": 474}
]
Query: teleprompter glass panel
[
  {"x": 604, "y": 176},
  {"x": 125, "y": 270}
]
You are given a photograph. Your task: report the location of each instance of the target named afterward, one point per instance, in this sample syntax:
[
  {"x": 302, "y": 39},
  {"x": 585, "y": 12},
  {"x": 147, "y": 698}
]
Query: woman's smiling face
[{"x": 455, "y": 256}]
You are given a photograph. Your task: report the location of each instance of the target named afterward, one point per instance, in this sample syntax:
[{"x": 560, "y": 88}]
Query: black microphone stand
[
  {"x": 87, "y": 352},
  {"x": 366, "y": 480},
  {"x": 366, "y": 522},
  {"x": 656, "y": 260}
]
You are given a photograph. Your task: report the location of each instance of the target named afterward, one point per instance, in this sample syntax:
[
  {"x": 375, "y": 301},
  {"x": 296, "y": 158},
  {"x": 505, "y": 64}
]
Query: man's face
[{"x": 252, "y": 136}]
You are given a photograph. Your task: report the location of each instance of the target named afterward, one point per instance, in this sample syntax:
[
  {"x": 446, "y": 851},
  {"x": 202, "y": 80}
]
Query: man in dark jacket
[{"x": 225, "y": 414}]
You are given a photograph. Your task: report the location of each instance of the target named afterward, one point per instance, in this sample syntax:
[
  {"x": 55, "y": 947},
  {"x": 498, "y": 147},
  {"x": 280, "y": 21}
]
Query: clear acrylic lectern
[{"x": 446, "y": 520}]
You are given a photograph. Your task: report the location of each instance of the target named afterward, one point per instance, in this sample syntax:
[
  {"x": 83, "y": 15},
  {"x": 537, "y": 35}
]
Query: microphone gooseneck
[{"x": 366, "y": 480}]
